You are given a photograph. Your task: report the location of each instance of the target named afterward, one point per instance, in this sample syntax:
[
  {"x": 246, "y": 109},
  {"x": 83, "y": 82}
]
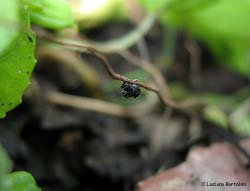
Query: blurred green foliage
[
  {"x": 222, "y": 24},
  {"x": 223, "y": 110}
]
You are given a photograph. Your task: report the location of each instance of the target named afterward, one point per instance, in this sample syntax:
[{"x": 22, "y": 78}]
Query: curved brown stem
[{"x": 103, "y": 59}]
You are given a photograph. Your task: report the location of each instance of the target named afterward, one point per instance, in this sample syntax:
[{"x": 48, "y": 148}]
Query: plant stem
[{"x": 185, "y": 105}]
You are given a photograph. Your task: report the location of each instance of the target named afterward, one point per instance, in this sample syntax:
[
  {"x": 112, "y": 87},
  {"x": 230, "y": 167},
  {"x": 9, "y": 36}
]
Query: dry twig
[
  {"x": 147, "y": 66},
  {"x": 92, "y": 104},
  {"x": 186, "y": 105}
]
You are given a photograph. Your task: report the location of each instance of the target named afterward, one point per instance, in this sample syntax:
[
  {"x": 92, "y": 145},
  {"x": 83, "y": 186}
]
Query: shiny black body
[{"x": 129, "y": 89}]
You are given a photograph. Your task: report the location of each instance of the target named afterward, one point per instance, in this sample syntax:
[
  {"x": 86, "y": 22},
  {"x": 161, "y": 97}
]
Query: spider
[{"x": 130, "y": 89}]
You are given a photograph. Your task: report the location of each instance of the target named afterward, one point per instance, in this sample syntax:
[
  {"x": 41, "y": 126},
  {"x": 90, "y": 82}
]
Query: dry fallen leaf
[{"x": 220, "y": 163}]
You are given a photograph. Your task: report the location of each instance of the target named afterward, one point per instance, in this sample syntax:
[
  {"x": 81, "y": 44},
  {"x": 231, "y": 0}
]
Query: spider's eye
[{"x": 129, "y": 89}]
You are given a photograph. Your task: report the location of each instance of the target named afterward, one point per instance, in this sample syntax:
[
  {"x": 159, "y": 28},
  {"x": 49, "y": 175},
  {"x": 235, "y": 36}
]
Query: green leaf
[
  {"x": 5, "y": 162},
  {"x": 242, "y": 124},
  {"x": 17, "y": 64},
  {"x": 8, "y": 18},
  {"x": 50, "y": 14},
  {"x": 18, "y": 181}
]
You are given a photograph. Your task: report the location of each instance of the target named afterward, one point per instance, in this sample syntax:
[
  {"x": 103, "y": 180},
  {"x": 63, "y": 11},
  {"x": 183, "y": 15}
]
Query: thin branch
[
  {"x": 147, "y": 66},
  {"x": 102, "y": 58},
  {"x": 90, "y": 104}
]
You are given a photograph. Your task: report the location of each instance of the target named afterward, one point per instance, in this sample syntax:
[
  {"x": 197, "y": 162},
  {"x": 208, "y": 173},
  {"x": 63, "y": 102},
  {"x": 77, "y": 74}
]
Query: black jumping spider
[{"x": 130, "y": 89}]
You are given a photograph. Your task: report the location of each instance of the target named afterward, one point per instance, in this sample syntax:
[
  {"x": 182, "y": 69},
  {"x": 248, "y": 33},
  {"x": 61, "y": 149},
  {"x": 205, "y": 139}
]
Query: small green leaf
[
  {"x": 18, "y": 181},
  {"x": 5, "y": 162},
  {"x": 216, "y": 115},
  {"x": 50, "y": 14},
  {"x": 242, "y": 124},
  {"x": 240, "y": 118},
  {"x": 17, "y": 64}
]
